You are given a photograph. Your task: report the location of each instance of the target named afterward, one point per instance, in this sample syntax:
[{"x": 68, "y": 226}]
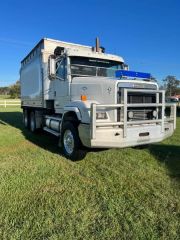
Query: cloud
[
  {"x": 15, "y": 42},
  {"x": 7, "y": 83}
]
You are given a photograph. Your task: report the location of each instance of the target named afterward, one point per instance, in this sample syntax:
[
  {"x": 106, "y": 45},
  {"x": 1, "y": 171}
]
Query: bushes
[{"x": 13, "y": 90}]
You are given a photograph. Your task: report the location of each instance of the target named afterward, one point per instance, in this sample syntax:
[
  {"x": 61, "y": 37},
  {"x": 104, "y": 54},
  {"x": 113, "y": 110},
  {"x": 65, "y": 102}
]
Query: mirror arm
[{"x": 59, "y": 78}]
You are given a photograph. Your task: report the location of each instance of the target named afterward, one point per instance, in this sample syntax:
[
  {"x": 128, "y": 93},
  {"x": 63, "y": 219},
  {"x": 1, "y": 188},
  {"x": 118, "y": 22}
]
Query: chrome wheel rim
[{"x": 68, "y": 141}]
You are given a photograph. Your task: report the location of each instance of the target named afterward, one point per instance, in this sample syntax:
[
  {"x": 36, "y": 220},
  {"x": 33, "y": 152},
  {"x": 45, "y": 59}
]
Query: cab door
[{"x": 61, "y": 85}]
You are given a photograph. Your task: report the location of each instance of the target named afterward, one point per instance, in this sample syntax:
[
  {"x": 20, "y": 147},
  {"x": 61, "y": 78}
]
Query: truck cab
[{"x": 89, "y": 98}]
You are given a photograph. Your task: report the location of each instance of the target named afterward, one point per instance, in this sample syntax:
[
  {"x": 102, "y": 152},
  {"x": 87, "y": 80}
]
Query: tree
[
  {"x": 14, "y": 90},
  {"x": 4, "y": 90},
  {"x": 171, "y": 85}
]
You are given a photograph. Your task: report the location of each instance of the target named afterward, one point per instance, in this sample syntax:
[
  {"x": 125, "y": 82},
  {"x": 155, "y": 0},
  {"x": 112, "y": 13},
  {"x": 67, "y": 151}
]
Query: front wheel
[{"x": 71, "y": 143}]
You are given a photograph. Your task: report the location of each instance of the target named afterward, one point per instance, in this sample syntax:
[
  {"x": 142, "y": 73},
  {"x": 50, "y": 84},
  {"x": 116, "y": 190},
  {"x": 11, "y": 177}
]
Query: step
[
  {"x": 51, "y": 131},
  {"x": 53, "y": 118}
]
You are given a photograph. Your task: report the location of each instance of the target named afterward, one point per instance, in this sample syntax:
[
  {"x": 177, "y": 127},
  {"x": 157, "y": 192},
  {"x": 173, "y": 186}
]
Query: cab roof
[{"x": 72, "y": 49}]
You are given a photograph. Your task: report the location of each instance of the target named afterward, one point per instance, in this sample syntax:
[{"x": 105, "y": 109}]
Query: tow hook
[{"x": 117, "y": 134}]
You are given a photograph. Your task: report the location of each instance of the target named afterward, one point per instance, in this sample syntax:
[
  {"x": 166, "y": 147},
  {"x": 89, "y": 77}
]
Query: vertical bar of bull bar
[
  {"x": 93, "y": 121},
  {"x": 174, "y": 115},
  {"x": 125, "y": 112},
  {"x": 157, "y": 101},
  {"x": 163, "y": 110}
]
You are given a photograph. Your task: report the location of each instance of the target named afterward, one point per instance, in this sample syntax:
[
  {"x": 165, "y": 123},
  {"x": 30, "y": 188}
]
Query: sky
[{"x": 146, "y": 33}]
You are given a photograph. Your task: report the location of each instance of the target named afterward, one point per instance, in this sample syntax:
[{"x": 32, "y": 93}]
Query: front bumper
[
  {"x": 126, "y": 133},
  {"x": 136, "y": 135}
]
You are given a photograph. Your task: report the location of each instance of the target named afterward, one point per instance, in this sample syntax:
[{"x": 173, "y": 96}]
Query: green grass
[
  {"x": 4, "y": 97},
  {"x": 112, "y": 194}
]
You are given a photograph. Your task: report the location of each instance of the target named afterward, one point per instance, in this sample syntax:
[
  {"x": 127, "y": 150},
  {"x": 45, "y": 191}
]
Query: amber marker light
[{"x": 83, "y": 97}]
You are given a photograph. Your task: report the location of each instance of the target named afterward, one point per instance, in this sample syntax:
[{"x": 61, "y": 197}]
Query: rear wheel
[
  {"x": 26, "y": 118},
  {"x": 71, "y": 144},
  {"x": 32, "y": 122}
]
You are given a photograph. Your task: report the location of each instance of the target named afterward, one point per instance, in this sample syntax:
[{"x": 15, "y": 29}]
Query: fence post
[{"x": 5, "y": 103}]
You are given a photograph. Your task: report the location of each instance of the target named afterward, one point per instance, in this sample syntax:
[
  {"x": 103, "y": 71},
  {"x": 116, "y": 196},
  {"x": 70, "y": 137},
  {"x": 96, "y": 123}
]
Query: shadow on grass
[
  {"x": 42, "y": 139},
  {"x": 2, "y": 123},
  {"x": 178, "y": 112},
  {"x": 169, "y": 155},
  {"x": 166, "y": 154}
]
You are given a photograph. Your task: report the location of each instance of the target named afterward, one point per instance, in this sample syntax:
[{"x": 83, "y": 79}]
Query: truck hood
[
  {"x": 102, "y": 89},
  {"x": 93, "y": 79},
  {"x": 127, "y": 83}
]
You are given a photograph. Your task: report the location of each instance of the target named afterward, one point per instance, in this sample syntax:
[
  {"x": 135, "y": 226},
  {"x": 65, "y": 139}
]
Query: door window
[{"x": 61, "y": 69}]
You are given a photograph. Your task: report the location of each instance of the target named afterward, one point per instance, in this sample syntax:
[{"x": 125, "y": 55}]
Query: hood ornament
[
  {"x": 84, "y": 88},
  {"x": 109, "y": 90}
]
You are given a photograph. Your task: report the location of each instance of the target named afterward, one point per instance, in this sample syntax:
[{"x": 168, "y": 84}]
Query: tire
[
  {"x": 26, "y": 118},
  {"x": 70, "y": 142},
  {"x": 32, "y": 123}
]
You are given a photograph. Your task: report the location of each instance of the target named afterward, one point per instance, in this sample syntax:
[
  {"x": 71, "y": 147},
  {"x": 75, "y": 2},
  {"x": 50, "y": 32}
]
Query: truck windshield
[{"x": 84, "y": 67}]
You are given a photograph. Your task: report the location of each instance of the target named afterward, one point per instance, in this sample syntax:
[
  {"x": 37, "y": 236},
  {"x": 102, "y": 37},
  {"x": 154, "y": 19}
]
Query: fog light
[
  {"x": 154, "y": 113},
  {"x": 101, "y": 115},
  {"x": 130, "y": 114}
]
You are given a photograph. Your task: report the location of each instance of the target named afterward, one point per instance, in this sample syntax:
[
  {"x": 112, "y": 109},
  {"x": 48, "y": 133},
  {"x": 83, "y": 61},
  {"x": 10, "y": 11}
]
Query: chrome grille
[
  {"x": 141, "y": 98},
  {"x": 139, "y": 113}
]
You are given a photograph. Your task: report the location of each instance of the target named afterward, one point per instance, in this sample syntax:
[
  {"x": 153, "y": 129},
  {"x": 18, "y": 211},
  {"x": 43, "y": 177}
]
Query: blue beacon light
[{"x": 132, "y": 74}]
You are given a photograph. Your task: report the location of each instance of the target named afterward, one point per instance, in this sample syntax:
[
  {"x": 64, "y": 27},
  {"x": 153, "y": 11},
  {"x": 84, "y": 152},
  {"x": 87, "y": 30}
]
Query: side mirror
[
  {"x": 126, "y": 67},
  {"x": 52, "y": 68}
]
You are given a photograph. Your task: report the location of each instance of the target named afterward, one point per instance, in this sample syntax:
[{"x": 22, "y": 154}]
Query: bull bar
[{"x": 125, "y": 123}]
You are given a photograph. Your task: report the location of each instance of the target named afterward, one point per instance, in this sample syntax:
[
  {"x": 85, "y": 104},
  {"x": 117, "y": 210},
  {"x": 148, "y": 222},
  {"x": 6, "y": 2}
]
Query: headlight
[
  {"x": 130, "y": 114},
  {"x": 154, "y": 113},
  {"x": 101, "y": 115}
]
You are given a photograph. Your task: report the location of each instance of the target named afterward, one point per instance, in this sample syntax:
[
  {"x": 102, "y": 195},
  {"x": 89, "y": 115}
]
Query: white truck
[{"x": 88, "y": 98}]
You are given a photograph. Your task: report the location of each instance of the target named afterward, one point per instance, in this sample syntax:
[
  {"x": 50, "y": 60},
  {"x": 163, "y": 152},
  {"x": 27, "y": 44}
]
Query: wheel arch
[
  {"x": 69, "y": 116},
  {"x": 72, "y": 110}
]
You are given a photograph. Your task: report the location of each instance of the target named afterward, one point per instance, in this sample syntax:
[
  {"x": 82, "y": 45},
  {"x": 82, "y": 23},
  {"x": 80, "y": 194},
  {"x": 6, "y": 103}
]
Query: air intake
[{"x": 58, "y": 51}]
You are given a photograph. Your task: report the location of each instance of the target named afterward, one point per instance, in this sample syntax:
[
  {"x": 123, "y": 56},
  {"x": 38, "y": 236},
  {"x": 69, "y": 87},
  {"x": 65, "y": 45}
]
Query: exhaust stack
[{"x": 97, "y": 45}]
